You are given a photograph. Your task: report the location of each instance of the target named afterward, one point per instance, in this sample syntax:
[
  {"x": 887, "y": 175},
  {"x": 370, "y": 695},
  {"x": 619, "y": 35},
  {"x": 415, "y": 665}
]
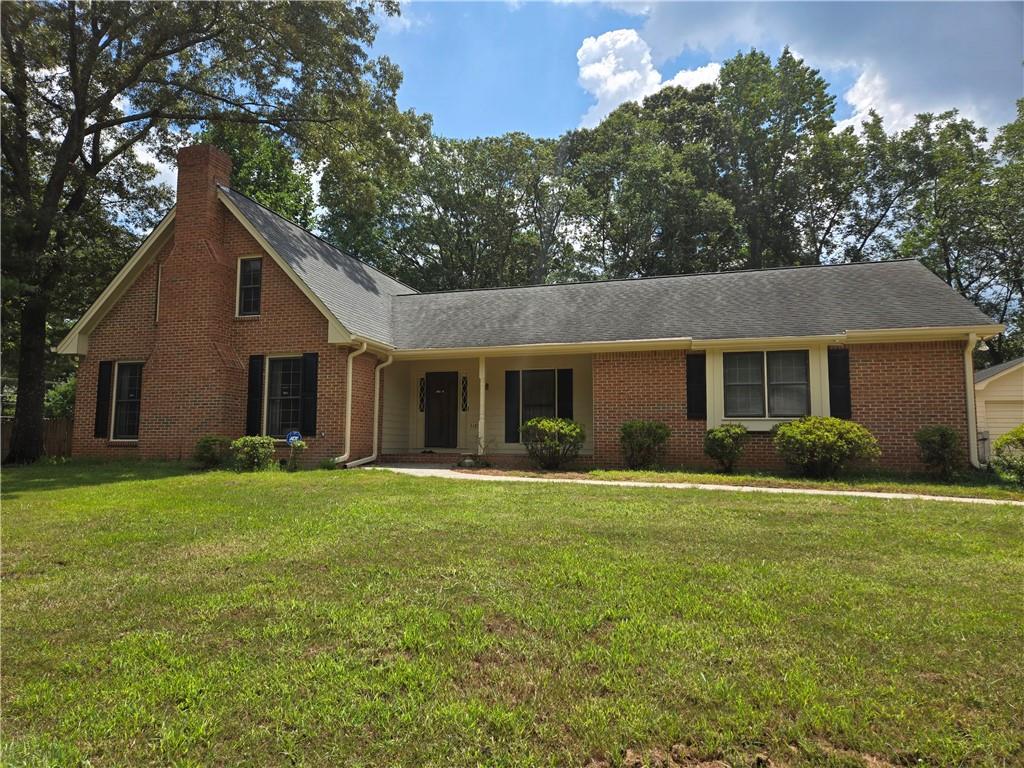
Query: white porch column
[{"x": 481, "y": 439}]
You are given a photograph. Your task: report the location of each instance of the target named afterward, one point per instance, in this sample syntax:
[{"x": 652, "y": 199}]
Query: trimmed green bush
[
  {"x": 253, "y": 453},
  {"x": 294, "y": 454},
  {"x": 1008, "y": 456},
  {"x": 939, "y": 447},
  {"x": 212, "y": 451},
  {"x": 725, "y": 444},
  {"x": 552, "y": 442},
  {"x": 822, "y": 446},
  {"x": 642, "y": 442}
]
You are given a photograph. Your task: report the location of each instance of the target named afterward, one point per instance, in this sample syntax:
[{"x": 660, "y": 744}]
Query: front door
[{"x": 442, "y": 412}]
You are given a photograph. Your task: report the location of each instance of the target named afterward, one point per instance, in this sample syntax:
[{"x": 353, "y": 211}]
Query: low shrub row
[{"x": 246, "y": 454}]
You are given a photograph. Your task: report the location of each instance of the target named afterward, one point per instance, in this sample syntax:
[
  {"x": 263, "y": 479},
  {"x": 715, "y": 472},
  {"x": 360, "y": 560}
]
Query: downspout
[
  {"x": 376, "y": 414},
  {"x": 348, "y": 405},
  {"x": 972, "y": 425}
]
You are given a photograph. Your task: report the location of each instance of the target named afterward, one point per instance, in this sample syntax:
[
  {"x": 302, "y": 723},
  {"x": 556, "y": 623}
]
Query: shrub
[
  {"x": 327, "y": 464},
  {"x": 642, "y": 442},
  {"x": 253, "y": 453},
  {"x": 821, "y": 446},
  {"x": 59, "y": 401},
  {"x": 1008, "y": 455},
  {"x": 725, "y": 444},
  {"x": 294, "y": 453},
  {"x": 552, "y": 442},
  {"x": 212, "y": 451},
  {"x": 939, "y": 447}
]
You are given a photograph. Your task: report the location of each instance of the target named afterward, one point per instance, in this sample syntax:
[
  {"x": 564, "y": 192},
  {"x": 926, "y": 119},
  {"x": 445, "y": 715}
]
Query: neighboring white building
[{"x": 999, "y": 398}]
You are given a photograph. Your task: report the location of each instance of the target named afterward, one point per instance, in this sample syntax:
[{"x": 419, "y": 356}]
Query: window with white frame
[
  {"x": 127, "y": 396},
  {"x": 284, "y": 395},
  {"x": 250, "y": 280},
  {"x": 772, "y": 384}
]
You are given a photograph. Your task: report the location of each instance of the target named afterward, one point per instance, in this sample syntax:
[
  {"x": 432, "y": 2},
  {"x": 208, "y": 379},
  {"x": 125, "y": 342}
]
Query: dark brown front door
[{"x": 442, "y": 410}]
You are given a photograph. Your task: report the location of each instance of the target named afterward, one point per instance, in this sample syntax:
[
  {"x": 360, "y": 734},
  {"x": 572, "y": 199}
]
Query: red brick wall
[
  {"x": 895, "y": 388},
  {"x": 196, "y": 357},
  {"x": 898, "y": 388}
]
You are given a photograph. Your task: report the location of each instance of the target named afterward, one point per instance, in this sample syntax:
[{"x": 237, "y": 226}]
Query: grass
[
  {"x": 983, "y": 485},
  {"x": 157, "y": 616}
]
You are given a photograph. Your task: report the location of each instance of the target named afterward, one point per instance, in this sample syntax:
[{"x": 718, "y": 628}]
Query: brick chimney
[{"x": 197, "y": 285}]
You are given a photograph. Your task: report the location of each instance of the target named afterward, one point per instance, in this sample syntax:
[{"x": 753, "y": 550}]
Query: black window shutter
[
  {"x": 310, "y": 362},
  {"x": 696, "y": 386},
  {"x": 564, "y": 387},
  {"x": 840, "y": 404},
  {"x": 511, "y": 406},
  {"x": 254, "y": 403},
  {"x": 104, "y": 389}
]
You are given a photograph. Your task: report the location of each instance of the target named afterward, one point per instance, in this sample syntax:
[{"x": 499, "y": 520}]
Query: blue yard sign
[{"x": 293, "y": 437}]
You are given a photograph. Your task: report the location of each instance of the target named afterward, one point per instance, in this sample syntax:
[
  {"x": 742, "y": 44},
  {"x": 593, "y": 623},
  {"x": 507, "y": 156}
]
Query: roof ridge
[
  {"x": 328, "y": 243},
  {"x": 640, "y": 278}
]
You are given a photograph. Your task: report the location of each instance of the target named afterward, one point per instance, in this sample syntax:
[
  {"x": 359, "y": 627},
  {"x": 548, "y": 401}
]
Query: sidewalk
[{"x": 449, "y": 474}]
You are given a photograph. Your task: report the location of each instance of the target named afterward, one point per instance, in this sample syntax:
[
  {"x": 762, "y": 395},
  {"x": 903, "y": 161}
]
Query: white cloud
[
  {"x": 871, "y": 91},
  {"x": 616, "y": 67},
  {"x": 908, "y": 57}
]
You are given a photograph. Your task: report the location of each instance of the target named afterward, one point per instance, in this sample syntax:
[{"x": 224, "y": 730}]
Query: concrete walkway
[{"x": 420, "y": 470}]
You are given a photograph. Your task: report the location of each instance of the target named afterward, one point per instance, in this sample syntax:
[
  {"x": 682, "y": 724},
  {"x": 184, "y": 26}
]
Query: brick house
[{"x": 231, "y": 320}]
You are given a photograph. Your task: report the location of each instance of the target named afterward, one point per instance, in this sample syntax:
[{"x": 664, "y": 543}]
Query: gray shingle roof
[
  {"x": 805, "y": 301},
  {"x": 358, "y": 295},
  {"x": 988, "y": 373}
]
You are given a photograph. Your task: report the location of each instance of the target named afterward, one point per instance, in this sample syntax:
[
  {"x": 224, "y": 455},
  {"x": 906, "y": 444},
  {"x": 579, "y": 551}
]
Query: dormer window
[{"x": 250, "y": 280}]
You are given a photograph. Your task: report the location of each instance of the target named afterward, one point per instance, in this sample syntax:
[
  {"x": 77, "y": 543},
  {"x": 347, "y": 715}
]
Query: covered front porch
[{"x": 437, "y": 409}]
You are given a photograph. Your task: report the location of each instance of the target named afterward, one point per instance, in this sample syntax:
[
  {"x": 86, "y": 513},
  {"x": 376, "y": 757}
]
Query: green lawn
[
  {"x": 152, "y": 615},
  {"x": 984, "y": 485}
]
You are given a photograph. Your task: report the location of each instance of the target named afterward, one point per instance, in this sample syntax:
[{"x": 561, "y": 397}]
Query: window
[
  {"x": 780, "y": 379},
  {"x": 127, "y": 393},
  {"x": 284, "y": 395},
  {"x": 545, "y": 393},
  {"x": 538, "y": 394},
  {"x": 250, "y": 278}
]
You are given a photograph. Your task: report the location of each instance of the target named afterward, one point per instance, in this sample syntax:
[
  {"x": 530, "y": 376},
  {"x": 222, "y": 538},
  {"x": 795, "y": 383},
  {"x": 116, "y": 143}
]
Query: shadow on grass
[{"x": 48, "y": 475}]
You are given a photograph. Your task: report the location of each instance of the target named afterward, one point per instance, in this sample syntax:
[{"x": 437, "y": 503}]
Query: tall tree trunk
[{"x": 27, "y": 436}]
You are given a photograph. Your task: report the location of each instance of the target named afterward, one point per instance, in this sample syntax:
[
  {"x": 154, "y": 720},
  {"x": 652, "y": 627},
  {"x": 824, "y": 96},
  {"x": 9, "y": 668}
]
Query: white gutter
[
  {"x": 972, "y": 426},
  {"x": 376, "y": 414},
  {"x": 348, "y": 405}
]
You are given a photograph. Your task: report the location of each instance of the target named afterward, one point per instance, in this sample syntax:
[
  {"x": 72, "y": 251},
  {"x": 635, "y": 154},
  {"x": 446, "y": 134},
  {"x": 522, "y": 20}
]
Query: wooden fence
[{"x": 56, "y": 437}]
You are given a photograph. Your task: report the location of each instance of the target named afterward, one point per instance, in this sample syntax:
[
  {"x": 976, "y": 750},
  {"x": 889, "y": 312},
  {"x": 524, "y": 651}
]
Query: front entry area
[{"x": 441, "y": 409}]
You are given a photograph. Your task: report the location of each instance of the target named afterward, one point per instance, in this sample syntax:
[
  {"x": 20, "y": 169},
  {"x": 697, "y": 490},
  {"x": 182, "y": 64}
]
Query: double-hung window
[
  {"x": 533, "y": 394},
  {"x": 772, "y": 384},
  {"x": 284, "y": 395},
  {"x": 250, "y": 281},
  {"x": 127, "y": 394}
]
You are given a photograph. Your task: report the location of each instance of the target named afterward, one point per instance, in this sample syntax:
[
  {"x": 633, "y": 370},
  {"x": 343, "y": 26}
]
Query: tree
[
  {"x": 87, "y": 86},
  {"x": 774, "y": 116},
  {"x": 264, "y": 167}
]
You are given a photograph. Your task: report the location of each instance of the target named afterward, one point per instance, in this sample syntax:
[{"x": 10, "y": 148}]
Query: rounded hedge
[
  {"x": 822, "y": 446},
  {"x": 725, "y": 444},
  {"x": 1008, "y": 455},
  {"x": 552, "y": 442},
  {"x": 642, "y": 442}
]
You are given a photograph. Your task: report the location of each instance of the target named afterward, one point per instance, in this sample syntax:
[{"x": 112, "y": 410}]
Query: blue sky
[{"x": 544, "y": 68}]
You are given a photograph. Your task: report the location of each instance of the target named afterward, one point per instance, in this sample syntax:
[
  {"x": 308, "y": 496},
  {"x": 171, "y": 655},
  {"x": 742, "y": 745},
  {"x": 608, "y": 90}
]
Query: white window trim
[
  {"x": 159, "y": 284},
  {"x": 817, "y": 358},
  {"x": 266, "y": 388},
  {"x": 113, "y": 403},
  {"x": 238, "y": 286}
]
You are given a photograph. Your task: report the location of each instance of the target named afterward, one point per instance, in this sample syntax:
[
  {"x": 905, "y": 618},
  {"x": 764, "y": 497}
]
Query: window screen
[
  {"x": 250, "y": 278},
  {"x": 284, "y": 396},
  {"x": 128, "y": 393},
  {"x": 538, "y": 394},
  {"x": 744, "y": 384},
  {"x": 789, "y": 384}
]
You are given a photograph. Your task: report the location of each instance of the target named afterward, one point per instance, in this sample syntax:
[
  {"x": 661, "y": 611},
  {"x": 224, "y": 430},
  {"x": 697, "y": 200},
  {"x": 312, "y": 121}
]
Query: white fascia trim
[
  {"x": 985, "y": 382},
  {"x": 517, "y": 350},
  {"x": 336, "y": 332},
  {"x": 76, "y": 342}
]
